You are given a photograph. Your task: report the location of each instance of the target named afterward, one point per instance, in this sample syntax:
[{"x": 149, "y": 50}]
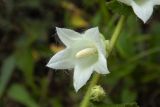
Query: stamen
[{"x": 86, "y": 52}]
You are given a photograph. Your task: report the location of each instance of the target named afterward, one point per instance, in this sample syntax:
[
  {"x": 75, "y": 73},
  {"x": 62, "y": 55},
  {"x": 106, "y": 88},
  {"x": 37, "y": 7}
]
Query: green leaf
[
  {"x": 6, "y": 72},
  {"x": 128, "y": 95},
  {"x": 25, "y": 60},
  {"x": 125, "y": 50},
  {"x": 29, "y": 3},
  {"x": 35, "y": 30},
  {"x": 56, "y": 103},
  {"x": 20, "y": 94},
  {"x": 117, "y": 105},
  {"x": 119, "y": 73},
  {"x": 25, "y": 63},
  {"x": 119, "y": 8}
]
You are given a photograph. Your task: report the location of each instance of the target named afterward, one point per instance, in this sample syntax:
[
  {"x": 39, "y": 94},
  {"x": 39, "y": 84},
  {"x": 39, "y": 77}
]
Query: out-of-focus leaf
[
  {"x": 153, "y": 70},
  {"x": 20, "y": 94},
  {"x": 56, "y": 103},
  {"x": 145, "y": 54},
  {"x": 30, "y": 3},
  {"x": 78, "y": 21},
  {"x": 89, "y": 4},
  {"x": 128, "y": 95},
  {"x": 155, "y": 37},
  {"x": 6, "y": 72},
  {"x": 75, "y": 15},
  {"x": 125, "y": 50},
  {"x": 126, "y": 43},
  {"x": 44, "y": 51},
  {"x": 5, "y": 24},
  {"x": 55, "y": 48},
  {"x": 118, "y": 7},
  {"x": 35, "y": 30},
  {"x": 25, "y": 62},
  {"x": 117, "y": 105},
  {"x": 115, "y": 75},
  {"x": 96, "y": 19}
]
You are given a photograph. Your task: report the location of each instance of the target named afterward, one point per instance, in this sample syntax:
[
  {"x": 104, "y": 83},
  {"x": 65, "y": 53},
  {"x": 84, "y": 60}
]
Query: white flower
[
  {"x": 142, "y": 8},
  {"x": 84, "y": 52}
]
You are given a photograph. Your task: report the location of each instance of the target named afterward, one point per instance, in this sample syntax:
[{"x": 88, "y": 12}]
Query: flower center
[{"x": 86, "y": 52}]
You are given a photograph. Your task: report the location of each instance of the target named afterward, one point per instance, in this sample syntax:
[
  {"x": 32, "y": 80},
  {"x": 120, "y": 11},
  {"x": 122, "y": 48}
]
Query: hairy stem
[{"x": 95, "y": 78}]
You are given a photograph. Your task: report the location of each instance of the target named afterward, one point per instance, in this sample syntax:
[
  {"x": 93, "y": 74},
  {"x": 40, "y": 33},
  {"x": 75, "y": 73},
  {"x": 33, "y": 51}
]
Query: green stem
[
  {"x": 85, "y": 101},
  {"x": 116, "y": 34},
  {"x": 94, "y": 80}
]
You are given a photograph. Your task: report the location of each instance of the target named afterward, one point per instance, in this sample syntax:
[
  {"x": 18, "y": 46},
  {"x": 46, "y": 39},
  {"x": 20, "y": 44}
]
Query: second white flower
[{"x": 142, "y": 8}]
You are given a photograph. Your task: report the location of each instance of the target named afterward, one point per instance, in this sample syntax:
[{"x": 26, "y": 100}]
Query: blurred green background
[{"x": 28, "y": 39}]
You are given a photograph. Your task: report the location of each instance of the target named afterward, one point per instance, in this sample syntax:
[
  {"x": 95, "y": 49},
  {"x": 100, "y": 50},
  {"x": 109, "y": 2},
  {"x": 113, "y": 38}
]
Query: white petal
[
  {"x": 101, "y": 65},
  {"x": 94, "y": 35},
  {"x": 156, "y": 2},
  {"x": 81, "y": 76},
  {"x": 67, "y": 36},
  {"x": 128, "y": 2},
  {"x": 143, "y": 10},
  {"x": 62, "y": 60}
]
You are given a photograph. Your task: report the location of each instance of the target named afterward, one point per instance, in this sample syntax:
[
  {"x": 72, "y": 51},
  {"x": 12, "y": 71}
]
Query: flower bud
[{"x": 97, "y": 93}]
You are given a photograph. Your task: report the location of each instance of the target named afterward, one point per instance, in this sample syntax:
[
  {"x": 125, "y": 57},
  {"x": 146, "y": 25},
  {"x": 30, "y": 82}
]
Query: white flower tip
[
  {"x": 96, "y": 28},
  {"x": 144, "y": 20},
  {"x": 76, "y": 87},
  {"x": 144, "y": 17},
  {"x": 107, "y": 72},
  {"x": 48, "y": 65},
  {"x": 93, "y": 29},
  {"x": 57, "y": 28},
  {"x": 104, "y": 72},
  {"x": 76, "y": 90}
]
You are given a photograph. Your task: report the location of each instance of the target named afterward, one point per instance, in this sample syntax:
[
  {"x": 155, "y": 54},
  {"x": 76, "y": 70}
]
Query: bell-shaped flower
[
  {"x": 142, "y": 8},
  {"x": 84, "y": 52}
]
